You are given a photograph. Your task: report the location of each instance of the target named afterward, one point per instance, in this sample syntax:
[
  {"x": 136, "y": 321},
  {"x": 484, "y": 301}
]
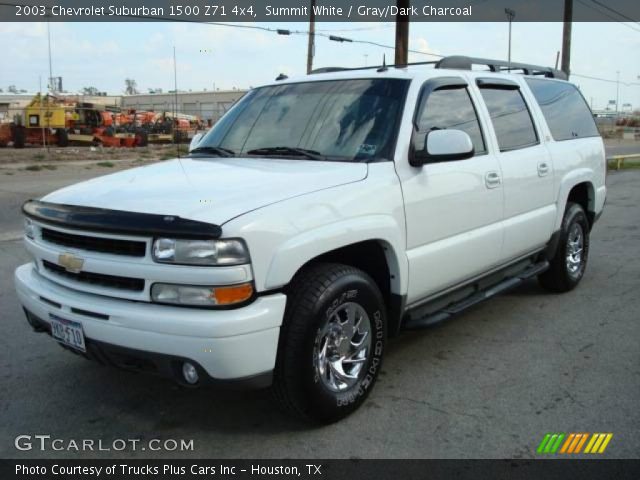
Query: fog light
[
  {"x": 190, "y": 373},
  {"x": 201, "y": 295}
]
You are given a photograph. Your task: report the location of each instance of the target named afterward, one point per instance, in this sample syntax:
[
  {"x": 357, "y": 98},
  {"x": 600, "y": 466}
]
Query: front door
[{"x": 454, "y": 208}]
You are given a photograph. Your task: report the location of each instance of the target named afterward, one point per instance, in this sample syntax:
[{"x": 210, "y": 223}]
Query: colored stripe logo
[{"x": 572, "y": 443}]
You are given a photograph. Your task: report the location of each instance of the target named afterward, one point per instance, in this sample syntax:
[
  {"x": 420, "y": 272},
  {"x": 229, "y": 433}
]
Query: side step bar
[{"x": 423, "y": 316}]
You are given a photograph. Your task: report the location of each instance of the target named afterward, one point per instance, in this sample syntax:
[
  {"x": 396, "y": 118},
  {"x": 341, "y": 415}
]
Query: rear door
[
  {"x": 527, "y": 169},
  {"x": 454, "y": 208}
]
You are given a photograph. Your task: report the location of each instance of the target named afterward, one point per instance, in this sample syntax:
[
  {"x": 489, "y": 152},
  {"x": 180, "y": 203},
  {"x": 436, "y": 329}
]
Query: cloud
[
  {"x": 165, "y": 64},
  {"x": 28, "y": 29},
  {"x": 421, "y": 44}
]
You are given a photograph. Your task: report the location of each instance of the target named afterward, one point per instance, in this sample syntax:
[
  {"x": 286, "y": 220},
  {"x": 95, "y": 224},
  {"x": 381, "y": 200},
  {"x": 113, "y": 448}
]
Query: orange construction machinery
[
  {"x": 160, "y": 127},
  {"x": 50, "y": 120}
]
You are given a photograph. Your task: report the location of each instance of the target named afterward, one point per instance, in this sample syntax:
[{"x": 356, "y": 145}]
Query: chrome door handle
[
  {"x": 543, "y": 169},
  {"x": 492, "y": 179}
]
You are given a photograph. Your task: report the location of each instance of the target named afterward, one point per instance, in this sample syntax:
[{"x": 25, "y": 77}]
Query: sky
[{"x": 102, "y": 55}]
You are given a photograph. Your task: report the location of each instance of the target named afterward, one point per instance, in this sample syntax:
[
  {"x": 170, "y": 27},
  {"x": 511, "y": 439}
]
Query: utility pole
[
  {"x": 176, "y": 123},
  {"x": 402, "y": 34},
  {"x": 617, "y": 92},
  {"x": 510, "y": 16},
  {"x": 312, "y": 37},
  {"x": 566, "y": 36},
  {"x": 50, "y": 65}
]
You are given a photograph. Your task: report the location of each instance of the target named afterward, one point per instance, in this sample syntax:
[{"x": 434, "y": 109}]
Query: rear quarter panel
[{"x": 578, "y": 161}]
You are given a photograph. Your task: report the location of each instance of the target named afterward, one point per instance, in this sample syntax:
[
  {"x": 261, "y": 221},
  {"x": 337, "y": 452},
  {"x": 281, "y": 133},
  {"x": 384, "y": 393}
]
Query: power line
[
  {"x": 611, "y": 17},
  {"x": 360, "y": 29},
  {"x": 615, "y": 11},
  {"x": 626, "y": 84},
  {"x": 281, "y": 31}
]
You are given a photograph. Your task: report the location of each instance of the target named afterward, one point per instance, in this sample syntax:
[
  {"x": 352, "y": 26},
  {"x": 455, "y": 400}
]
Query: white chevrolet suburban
[{"x": 319, "y": 217}]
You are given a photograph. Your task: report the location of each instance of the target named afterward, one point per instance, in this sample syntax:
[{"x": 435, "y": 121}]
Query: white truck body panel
[{"x": 438, "y": 224}]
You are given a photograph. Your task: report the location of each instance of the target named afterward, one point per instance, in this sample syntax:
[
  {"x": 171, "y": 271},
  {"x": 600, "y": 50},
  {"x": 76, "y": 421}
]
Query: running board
[{"x": 424, "y": 316}]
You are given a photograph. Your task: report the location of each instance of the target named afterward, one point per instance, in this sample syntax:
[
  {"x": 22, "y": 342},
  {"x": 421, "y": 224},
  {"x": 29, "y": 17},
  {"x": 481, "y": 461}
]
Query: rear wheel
[
  {"x": 331, "y": 342},
  {"x": 570, "y": 261}
]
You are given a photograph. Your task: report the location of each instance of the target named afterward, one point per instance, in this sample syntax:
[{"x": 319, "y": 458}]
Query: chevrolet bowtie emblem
[{"x": 70, "y": 262}]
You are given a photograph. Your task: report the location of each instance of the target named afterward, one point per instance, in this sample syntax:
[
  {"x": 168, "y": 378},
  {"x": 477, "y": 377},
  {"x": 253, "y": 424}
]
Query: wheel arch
[
  {"x": 380, "y": 256},
  {"x": 577, "y": 188}
]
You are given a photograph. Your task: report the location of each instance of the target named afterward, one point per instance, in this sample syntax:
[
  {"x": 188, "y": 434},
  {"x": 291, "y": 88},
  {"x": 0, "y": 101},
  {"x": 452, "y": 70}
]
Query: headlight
[
  {"x": 29, "y": 229},
  {"x": 200, "y": 252},
  {"x": 201, "y": 296}
]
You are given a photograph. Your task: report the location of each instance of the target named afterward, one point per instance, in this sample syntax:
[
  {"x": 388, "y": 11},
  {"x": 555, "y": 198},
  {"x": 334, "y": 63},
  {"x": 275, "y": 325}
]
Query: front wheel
[
  {"x": 570, "y": 261},
  {"x": 331, "y": 343}
]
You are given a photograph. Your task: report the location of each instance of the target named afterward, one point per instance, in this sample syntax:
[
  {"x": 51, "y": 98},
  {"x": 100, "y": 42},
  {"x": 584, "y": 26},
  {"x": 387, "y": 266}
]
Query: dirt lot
[{"x": 49, "y": 159}]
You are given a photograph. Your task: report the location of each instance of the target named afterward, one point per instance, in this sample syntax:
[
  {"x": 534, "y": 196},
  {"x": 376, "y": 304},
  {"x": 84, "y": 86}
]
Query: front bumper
[{"x": 226, "y": 345}]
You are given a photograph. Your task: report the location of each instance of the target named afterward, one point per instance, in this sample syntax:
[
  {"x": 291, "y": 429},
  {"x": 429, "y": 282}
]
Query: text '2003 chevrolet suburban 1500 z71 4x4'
[{"x": 317, "y": 218}]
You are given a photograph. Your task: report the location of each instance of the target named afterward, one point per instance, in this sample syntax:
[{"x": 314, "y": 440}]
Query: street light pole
[{"x": 510, "y": 15}]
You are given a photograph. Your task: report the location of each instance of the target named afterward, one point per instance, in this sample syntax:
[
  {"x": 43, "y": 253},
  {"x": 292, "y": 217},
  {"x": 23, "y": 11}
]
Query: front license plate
[{"x": 67, "y": 332}]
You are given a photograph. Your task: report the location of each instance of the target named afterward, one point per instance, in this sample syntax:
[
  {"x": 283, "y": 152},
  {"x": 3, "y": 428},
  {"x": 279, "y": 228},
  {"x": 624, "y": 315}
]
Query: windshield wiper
[
  {"x": 302, "y": 152},
  {"x": 221, "y": 152}
]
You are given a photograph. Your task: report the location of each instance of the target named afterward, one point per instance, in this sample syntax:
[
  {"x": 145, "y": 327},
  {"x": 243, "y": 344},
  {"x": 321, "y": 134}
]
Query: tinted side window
[
  {"x": 511, "y": 118},
  {"x": 450, "y": 108},
  {"x": 564, "y": 109}
]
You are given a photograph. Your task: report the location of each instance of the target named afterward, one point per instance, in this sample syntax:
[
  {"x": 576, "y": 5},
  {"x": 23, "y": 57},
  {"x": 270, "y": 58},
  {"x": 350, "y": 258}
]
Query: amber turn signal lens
[{"x": 232, "y": 294}]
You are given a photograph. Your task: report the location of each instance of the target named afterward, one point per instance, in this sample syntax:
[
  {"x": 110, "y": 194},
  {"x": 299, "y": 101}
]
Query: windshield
[{"x": 344, "y": 120}]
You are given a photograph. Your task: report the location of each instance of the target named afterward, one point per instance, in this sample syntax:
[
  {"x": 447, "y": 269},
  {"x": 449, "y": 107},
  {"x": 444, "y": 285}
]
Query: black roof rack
[
  {"x": 459, "y": 62},
  {"x": 371, "y": 67}
]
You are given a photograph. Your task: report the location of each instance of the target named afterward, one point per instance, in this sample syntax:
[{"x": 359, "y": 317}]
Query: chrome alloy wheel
[
  {"x": 575, "y": 248},
  {"x": 342, "y": 347}
]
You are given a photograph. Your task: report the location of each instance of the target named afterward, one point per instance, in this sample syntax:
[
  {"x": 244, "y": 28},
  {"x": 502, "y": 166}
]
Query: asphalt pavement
[{"x": 487, "y": 384}]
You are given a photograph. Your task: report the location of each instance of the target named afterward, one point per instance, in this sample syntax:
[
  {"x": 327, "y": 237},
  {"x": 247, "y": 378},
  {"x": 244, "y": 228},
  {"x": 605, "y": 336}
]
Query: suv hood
[{"x": 212, "y": 190}]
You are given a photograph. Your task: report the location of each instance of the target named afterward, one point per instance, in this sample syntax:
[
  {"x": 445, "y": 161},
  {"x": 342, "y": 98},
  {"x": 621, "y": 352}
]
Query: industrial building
[{"x": 208, "y": 105}]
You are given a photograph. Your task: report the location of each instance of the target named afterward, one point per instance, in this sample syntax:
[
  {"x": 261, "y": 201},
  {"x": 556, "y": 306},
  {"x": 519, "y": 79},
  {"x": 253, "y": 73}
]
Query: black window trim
[
  {"x": 503, "y": 84},
  {"x": 447, "y": 83},
  {"x": 545, "y": 118}
]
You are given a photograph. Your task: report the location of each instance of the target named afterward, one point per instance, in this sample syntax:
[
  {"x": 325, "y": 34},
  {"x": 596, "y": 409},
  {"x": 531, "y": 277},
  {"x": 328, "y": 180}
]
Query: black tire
[
  {"x": 63, "y": 137},
  {"x": 179, "y": 136},
  {"x": 561, "y": 276},
  {"x": 142, "y": 139},
  {"x": 319, "y": 298},
  {"x": 19, "y": 136}
]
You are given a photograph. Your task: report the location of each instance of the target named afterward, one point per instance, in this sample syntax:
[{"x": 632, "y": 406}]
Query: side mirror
[
  {"x": 195, "y": 140},
  {"x": 443, "y": 146}
]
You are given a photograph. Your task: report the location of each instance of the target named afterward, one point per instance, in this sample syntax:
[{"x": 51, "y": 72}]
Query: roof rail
[
  {"x": 458, "y": 62},
  {"x": 371, "y": 67}
]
